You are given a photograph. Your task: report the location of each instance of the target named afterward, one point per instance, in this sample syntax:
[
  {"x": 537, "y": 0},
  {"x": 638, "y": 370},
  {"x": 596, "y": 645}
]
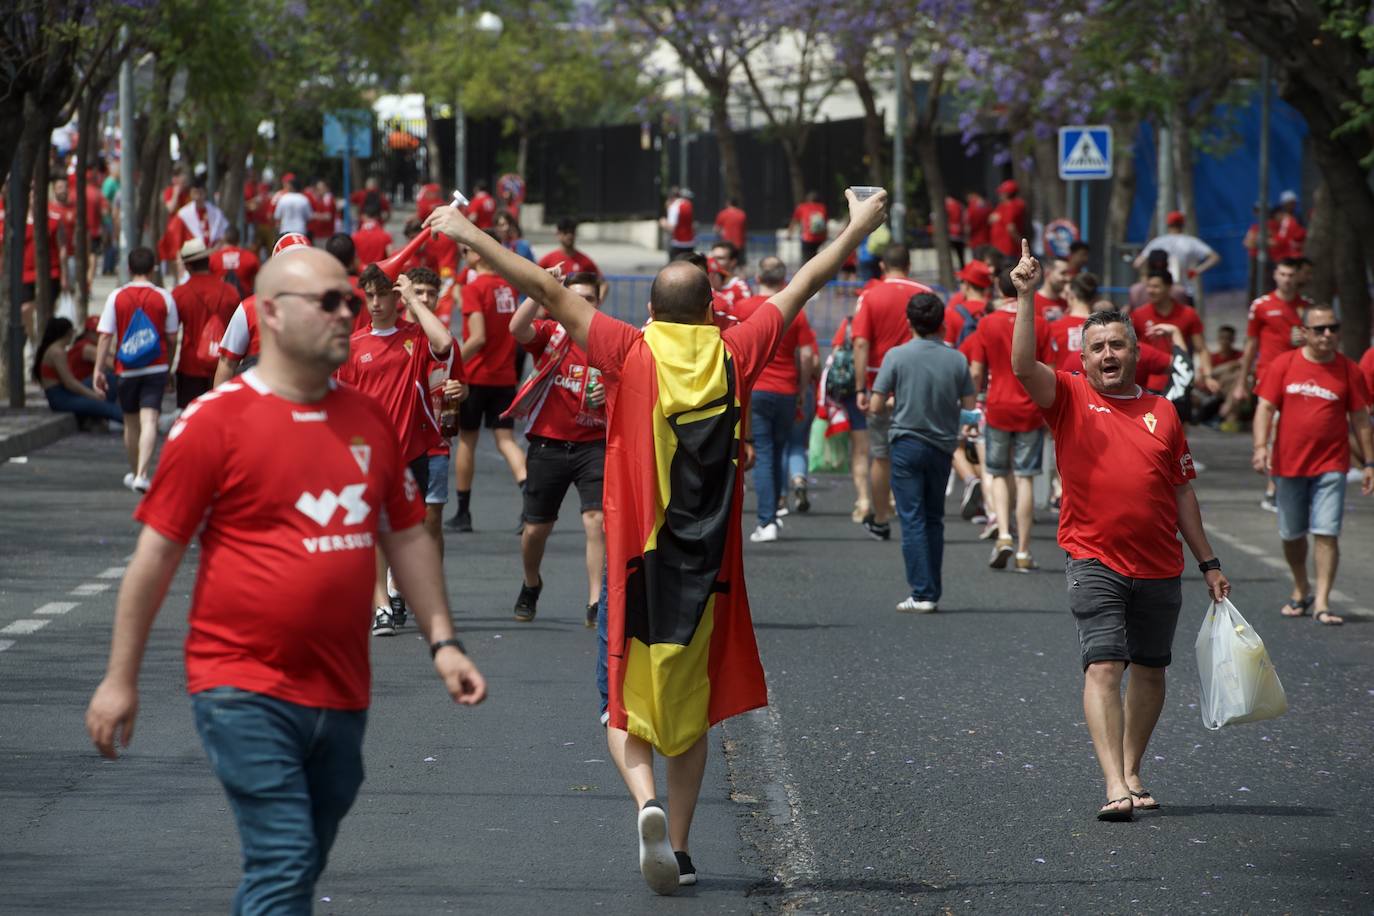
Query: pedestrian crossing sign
[{"x": 1085, "y": 153}]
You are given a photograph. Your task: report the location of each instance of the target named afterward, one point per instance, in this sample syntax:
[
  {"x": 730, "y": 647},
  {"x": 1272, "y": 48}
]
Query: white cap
[{"x": 1288, "y": 197}]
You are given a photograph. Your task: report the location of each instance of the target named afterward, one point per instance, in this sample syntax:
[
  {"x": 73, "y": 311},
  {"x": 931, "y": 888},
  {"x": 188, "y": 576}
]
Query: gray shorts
[
  {"x": 879, "y": 432},
  {"x": 1120, "y": 618},
  {"x": 1014, "y": 452}
]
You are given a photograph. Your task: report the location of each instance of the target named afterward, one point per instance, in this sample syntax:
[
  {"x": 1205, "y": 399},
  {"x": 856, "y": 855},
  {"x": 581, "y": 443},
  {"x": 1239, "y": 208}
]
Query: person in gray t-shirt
[{"x": 927, "y": 386}]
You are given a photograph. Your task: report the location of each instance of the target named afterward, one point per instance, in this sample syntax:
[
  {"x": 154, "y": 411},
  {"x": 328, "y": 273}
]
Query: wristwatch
[
  {"x": 1207, "y": 566},
  {"x": 451, "y": 641}
]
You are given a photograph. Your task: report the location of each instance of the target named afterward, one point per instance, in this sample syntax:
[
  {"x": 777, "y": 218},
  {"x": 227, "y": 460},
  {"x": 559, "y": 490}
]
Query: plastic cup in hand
[{"x": 864, "y": 191}]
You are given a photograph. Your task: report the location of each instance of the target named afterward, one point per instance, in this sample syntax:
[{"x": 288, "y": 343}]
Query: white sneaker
[
  {"x": 910, "y": 605},
  {"x": 129, "y": 481},
  {"x": 783, "y": 510},
  {"x": 765, "y": 534},
  {"x": 657, "y": 863},
  {"x": 140, "y": 484}
]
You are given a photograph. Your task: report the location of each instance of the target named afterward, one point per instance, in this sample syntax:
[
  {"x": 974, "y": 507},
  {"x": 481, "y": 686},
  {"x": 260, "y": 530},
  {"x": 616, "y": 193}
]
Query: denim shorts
[
  {"x": 1120, "y": 618},
  {"x": 1019, "y": 453},
  {"x": 879, "y": 433},
  {"x": 436, "y": 494},
  {"x": 1313, "y": 505}
]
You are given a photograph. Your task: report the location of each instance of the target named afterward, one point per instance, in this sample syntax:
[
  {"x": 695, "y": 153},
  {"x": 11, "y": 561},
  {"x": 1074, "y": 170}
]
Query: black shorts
[
  {"x": 552, "y": 465},
  {"x": 190, "y": 387},
  {"x": 141, "y": 392},
  {"x": 30, "y": 292},
  {"x": 484, "y": 407},
  {"x": 419, "y": 469},
  {"x": 1120, "y": 618}
]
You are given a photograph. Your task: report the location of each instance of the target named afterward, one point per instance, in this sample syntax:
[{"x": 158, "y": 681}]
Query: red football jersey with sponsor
[
  {"x": 1101, "y": 441},
  {"x": 288, "y": 520},
  {"x": 1066, "y": 343},
  {"x": 577, "y": 262},
  {"x": 811, "y": 217},
  {"x": 496, "y": 300},
  {"x": 205, "y": 304},
  {"x": 392, "y": 367},
  {"x": 1008, "y": 406},
  {"x": 241, "y": 261},
  {"x": 731, "y": 223},
  {"x": 370, "y": 242},
  {"x": 881, "y": 318},
  {"x": 779, "y": 374},
  {"x": 1272, "y": 322},
  {"x": 121, "y": 306},
  {"x": 1313, "y": 400},
  {"x": 556, "y": 417},
  {"x": 735, "y": 291},
  {"x": 1050, "y": 309}
]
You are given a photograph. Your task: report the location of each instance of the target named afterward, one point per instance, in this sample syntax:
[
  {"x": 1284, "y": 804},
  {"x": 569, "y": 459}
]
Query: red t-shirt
[
  {"x": 1101, "y": 441},
  {"x": 954, "y": 219},
  {"x": 779, "y": 375},
  {"x": 428, "y": 199},
  {"x": 954, "y": 322},
  {"x": 241, "y": 336},
  {"x": 1009, "y": 408},
  {"x": 392, "y": 367},
  {"x": 1066, "y": 343},
  {"x": 683, "y": 221},
  {"x": 811, "y": 218},
  {"x": 1313, "y": 400},
  {"x": 482, "y": 210},
  {"x": 556, "y": 417},
  {"x": 95, "y": 207},
  {"x": 1146, "y": 317},
  {"x": 288, "y": 520},
  {"x": 881, "y": 318},
  {"x": 496, "y": 300},
  {"x": 1154, "y": 369},
  {"x": 734, "y": 292},
  {"x": 241, "y": 261},
  {"x": 321, "y": 224},
  {"x": 205, "y": 304},
  {"x": 371, "y": 241},
  {"x": 1271, "y": 322},
  {"x": 730, "y": 222},
  {"x": 1050, "y": 309},
  {"x": 574, "y": 263},
  {"x": 157, "y": 304},
  {"x": 1009, "y": 213},
  {"x": 1367, "y": 369},
  {"x": 30, "y": 255},
  {"x": 1221, "y": 359},
  {"x": 359, "y": 197},
  {"x": 976, "y": 217}
]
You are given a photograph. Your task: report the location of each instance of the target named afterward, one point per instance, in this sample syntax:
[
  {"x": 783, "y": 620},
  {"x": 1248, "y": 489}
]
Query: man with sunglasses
[
  {"x": 1319, "y": 395},
  {"x": 390, "y": 361},
  {"x": 277, "y": 655}
]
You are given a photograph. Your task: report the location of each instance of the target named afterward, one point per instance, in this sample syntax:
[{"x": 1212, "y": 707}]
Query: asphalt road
[{"x": 906, "y": 764}]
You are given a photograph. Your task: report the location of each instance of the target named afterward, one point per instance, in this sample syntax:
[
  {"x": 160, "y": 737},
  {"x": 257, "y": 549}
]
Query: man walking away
[
  {"x": 139, "y": 326},
  {"x": 204, "y": 304},
  {"x": 1319, "y": 396},
  {"x": 928, "y": 386},
  {"x": 1126, "y": 469}
]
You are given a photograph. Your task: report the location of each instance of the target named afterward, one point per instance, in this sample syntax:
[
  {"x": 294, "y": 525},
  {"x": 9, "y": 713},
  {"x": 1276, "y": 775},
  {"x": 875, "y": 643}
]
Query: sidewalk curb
[{"x": 45, "y": 433}]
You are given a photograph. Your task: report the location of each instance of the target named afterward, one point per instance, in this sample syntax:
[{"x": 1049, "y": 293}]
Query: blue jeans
[
  {"x": 800, "y": 440},
  {"x": 291, "y": 773},
  {"x": 770, "y": 423},
  {"x": 63, "y": 401},
  {"x": 919, "y": 474}
]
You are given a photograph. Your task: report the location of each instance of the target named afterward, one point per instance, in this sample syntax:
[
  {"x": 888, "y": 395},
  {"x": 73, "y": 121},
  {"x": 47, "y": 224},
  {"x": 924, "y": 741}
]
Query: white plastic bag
[{"x": 1239, "y": 683}]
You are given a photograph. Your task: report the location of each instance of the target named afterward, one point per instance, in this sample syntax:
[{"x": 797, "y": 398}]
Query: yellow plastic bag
[{"x": 1239, "y": 683}]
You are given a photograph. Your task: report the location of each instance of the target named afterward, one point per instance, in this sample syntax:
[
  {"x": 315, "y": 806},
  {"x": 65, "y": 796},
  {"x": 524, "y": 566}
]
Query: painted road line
[
  {"x": 1274, "y": 562},
  {"x": 114, "y": 572},
  {"x": 5, "y": 644},
  {"x": 1340, "y": 595},
  {"x": 56, "y": 607},
  {"x": 24, "y": 627},
  {"x": 91, "y": 588},
  {"x": 1246, "y": 548}
]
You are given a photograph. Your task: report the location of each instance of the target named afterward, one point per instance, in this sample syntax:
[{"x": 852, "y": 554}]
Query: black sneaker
[
  {"x": 878, "y": 531},
  {"x": 398, "y": 609},
  {"x": 972, "y": 502},
  {"x": 461, "y": 522},
  {"x": 800, "y": 500},
  {"x": 686, "y": 871},
  {"x": 382, "y": 623},
  {"x": 590, "y": 619},
  {"x": 528, "y": 602}
]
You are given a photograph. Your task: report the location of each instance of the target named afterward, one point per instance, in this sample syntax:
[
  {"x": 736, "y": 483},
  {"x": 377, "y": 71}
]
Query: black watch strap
[
  {"x": 1209, "y": 565},
  {"x": 451, "y": 641}
]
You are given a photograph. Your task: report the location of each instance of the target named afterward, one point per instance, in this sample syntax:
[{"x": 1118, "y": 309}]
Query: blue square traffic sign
[{"x": 1085, "y": 152}]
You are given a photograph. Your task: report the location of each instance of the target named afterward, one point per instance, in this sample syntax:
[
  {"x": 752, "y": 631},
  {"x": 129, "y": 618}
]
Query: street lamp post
[{"x": 488, "y": 23}]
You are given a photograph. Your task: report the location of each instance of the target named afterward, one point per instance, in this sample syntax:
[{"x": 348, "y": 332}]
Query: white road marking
[
  {"x": 114, "y": 572},
  {"x": 1340, "y": 595},
  {"x": 1246, "y": 548},
  {"x": 91, "y": 588},
  {"x": 56, "y": 607},
  {"x": 1274, "y": 562},
  {"x": 5, "y": 644},
  {"x": 25, "y": 627}
]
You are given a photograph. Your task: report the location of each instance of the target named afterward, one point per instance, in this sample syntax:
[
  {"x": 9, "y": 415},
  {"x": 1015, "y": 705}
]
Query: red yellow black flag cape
[{"x": 682, "y": 654}]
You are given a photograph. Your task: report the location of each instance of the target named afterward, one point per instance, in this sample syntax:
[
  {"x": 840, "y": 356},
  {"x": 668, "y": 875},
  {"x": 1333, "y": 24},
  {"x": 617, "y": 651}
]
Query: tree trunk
[
  {"x": 43, "y": 255},
  {"x": 935, "y": 188},
  {"x": 32, "y": 141},
  {"x": 1049, "y": 193},
  {"x": 431, "y": 146},
  {"x": 231, "y": 197},
  {"x": 522, "y": 150},
  {"x": 725, "y": 138},
  {"x": 1182, "y": 137},
  {"x": 1321, "y": 245},
  {"x": 1352, "y": 281},
  {"x": 1119, "y": 205},
  {"x": 875, "y": 135}
]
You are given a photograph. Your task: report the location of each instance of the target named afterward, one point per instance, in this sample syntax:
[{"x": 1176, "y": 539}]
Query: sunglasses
[
  {"x": 1323, "y": 328},
  {"x": 331, "y": 300}
]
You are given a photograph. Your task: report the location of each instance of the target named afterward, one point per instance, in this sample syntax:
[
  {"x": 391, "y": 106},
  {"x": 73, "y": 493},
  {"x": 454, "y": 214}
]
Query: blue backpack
[
  {"x": 970, "y": 323},
  {"x": 141, "y": 343}
]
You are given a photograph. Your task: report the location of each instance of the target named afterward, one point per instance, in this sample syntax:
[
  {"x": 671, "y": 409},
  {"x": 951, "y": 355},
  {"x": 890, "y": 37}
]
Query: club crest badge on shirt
[
  {"x": 362, "y": 453},
  {"x": 1150, "y": 422},
  {"x": 410, "y": 346}
]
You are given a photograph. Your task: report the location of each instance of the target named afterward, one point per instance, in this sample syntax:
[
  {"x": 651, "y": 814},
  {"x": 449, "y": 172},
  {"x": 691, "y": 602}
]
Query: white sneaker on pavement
[
  {"x": 910, "y": 605},
  {"x": 141, "y": 484},
  {"x": 129, "y": 481},
  {"x": 764, "y": 534},
  {"x": 657, "y": 862}
]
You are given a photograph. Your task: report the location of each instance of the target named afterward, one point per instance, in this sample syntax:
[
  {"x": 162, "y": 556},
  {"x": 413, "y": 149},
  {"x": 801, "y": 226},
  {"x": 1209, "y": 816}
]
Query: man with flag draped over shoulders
[{"x": 682, "y": 653}]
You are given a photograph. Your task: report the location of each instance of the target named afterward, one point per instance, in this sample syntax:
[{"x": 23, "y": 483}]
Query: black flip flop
[
  {"x": 1142, "y": 795},
  {"x": 1328, "y": 619},
  {"x": 1116, "y": 815},
  {"x": 1302, "y": 607}
]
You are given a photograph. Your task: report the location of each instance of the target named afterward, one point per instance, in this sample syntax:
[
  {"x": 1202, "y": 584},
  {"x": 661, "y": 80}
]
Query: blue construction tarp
[{"x": 1226, "y": 183}]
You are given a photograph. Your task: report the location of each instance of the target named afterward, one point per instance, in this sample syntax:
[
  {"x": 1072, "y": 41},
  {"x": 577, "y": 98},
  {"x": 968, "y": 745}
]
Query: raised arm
[
  {"x": 1036, "y": 377},
  {"x": 522, "y": 322},
  {"x": 864, "y": 217},
  {"x": 565, "y": 306},
  {"x": 440, "y": 340}
]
